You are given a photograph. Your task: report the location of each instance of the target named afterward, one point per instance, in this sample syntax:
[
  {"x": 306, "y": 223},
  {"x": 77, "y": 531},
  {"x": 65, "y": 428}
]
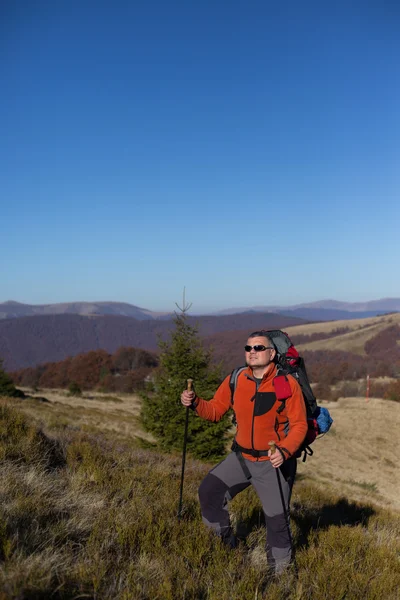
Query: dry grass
[
  {"x": 81, "y": 517},
  {"x": 354, "y": 324},
  {"x": 93, "y": 411},
  {"x": 353, "y": 341},
  {"x": 360, "y": 456}
]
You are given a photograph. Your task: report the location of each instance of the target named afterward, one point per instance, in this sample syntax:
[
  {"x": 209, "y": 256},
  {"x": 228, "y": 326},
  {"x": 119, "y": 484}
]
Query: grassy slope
[
  {"x": 359, "y": 457},
  {"x": 361, "y": 331},
  {"x": 83, "y": 516}
]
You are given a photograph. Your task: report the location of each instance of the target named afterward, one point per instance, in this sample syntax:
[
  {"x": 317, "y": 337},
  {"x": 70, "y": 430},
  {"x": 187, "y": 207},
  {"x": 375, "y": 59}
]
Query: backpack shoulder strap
[
  {"x": 283, "y": 391},
  {"x": 233, "y": 380},
  {"x": 282, "y": 387}
]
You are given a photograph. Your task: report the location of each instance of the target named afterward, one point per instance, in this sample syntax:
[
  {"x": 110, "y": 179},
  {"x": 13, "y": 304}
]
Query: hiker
[{"x": 259, "y": 421}]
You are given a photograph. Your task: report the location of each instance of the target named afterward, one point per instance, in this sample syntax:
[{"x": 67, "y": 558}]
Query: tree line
[
  {"x": 128, "y": 368},
  {"x": 124, "y": 371}
]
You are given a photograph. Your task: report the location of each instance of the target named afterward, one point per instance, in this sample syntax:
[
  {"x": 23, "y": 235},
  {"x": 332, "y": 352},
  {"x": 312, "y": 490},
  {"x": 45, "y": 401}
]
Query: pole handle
[
  {"x": 189, "y": 384},
  {"x": 272, "y": 446}
]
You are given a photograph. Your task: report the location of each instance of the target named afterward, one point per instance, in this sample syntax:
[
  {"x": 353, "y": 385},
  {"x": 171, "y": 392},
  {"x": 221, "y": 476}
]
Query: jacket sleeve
[
  {"x": 214, "y": 409},
  {"x": 297, "y": 417}
]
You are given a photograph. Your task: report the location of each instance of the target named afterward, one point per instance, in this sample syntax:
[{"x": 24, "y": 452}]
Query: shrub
[
  {"x": 322, "y": 391},
  {"x": 378, "y": 389},
  {"x": 349, "y": 389},
  {"x": 74, "y": 389},
  {"x": 162, "y": 412},
  {"x": 7, "y": 387},
  {"x": 393, "y": 392}
]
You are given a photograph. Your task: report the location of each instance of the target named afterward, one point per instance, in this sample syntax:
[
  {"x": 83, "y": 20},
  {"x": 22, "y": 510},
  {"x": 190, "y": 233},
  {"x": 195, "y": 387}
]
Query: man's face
[{"x": 261, "y": 358}]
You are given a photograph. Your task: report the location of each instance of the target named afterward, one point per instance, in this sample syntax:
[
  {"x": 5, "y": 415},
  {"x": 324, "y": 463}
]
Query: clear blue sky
[{"x": 248, "y": 150}]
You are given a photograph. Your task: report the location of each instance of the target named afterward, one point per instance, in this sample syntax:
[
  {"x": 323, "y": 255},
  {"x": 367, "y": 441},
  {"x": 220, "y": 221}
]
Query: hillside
[
  {"x": 339, "y": 356},
  {"x": 30, "y": 341},
  {"x": 315, "y": 339},
  {"x": 369, "y": 469},
  {"x": 366, "y": 463},
  {"x": 124, "y": 371},
  {"x": 359, "y": 332},
  {"x": 87, "y": 513}
]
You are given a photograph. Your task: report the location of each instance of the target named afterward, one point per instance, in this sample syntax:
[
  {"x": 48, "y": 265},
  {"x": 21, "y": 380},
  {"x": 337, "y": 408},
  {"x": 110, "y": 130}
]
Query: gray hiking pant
[{"x": 273, "y": 487}]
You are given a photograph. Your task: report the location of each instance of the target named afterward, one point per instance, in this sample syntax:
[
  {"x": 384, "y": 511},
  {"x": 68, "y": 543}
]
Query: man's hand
[
  {"x": 187, "y": 398},
  {"x": 276, "y": 458}
]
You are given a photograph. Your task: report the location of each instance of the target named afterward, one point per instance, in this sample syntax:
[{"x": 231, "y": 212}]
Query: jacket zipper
[{"x": 277, "y": 428}]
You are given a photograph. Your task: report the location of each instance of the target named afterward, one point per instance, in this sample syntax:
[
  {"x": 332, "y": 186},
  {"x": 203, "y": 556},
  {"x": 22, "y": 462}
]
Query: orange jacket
[{"x": 258, "y": 421}]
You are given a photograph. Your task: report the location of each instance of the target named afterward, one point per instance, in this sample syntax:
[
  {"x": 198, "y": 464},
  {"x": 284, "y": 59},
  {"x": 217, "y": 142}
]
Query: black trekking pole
[{"x": 189, "y": 388}]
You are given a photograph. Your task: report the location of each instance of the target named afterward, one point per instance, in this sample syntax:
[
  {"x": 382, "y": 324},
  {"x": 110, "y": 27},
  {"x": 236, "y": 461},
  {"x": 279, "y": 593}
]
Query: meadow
[{"x": 89, "y": 510}]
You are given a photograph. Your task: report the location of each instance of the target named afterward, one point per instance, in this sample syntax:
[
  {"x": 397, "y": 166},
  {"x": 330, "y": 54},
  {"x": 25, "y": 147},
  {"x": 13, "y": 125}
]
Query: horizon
[
  {"x": 248, "y": 154},
  {"x": 205, "y": 311}
]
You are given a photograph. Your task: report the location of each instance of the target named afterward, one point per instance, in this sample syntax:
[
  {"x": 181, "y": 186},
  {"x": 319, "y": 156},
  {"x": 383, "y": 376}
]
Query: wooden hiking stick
[
  {"x": 272, "y": 445},
  {"x": 189, "y": 389}
]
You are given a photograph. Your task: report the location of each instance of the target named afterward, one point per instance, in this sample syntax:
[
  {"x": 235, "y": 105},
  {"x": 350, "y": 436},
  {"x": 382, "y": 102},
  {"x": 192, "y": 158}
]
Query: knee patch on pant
[
  {"x": 278, "y": 533},
  {"x": 279, "y": 543},
  {"x": 212, "y": 495}
]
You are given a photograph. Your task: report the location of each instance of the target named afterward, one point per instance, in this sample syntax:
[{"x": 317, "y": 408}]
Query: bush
[
  {"x": 74, "y": 389},
  {"x": 7, "y": 387},
  {"x": 378, "y": 389},
  {"x": 349, "y": 389},
  {"x": 393, "y": 392},
  {"x": 322, "y": 391}
]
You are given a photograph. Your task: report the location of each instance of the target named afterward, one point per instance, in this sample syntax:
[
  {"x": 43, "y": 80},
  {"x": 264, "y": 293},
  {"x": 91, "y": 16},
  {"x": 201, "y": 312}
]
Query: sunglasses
[{"x": 258, "y": 348}]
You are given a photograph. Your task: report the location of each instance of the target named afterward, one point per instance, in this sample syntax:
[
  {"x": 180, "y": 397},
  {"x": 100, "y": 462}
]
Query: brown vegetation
[
  {"x": 124, "y": 371},
  {"x": 330, "y": 366}
]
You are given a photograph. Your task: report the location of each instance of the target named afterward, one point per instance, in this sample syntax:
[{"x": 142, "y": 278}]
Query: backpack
[{"x": 289, "y": 362}]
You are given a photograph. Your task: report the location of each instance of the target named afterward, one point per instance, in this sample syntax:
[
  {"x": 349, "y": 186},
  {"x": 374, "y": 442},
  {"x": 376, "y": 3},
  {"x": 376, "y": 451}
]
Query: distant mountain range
[
  {"x": 324, "y": 310},
  {"x": 12, "y": 310}
]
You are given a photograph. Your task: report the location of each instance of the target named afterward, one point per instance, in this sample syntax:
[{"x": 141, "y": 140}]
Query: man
[{"x": 261, "y": 417}]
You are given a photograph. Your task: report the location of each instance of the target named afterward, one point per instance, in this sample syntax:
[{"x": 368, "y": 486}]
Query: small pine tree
[
  {"x": 7, "y": 387},
  {"x": 163, "y": 414}
]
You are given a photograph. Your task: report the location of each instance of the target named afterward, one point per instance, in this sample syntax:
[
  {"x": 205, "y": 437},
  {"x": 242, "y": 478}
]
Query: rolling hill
[
  {"x": 14, "y": 310},
  {"x": 359, "y": 332},
  {"x": 342, "y": 341},
  {"x": 30, "y": 341}
]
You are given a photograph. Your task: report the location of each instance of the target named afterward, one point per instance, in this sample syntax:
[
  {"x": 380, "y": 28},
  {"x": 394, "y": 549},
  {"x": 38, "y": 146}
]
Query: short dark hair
[{"x": 262, "y": 333}]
